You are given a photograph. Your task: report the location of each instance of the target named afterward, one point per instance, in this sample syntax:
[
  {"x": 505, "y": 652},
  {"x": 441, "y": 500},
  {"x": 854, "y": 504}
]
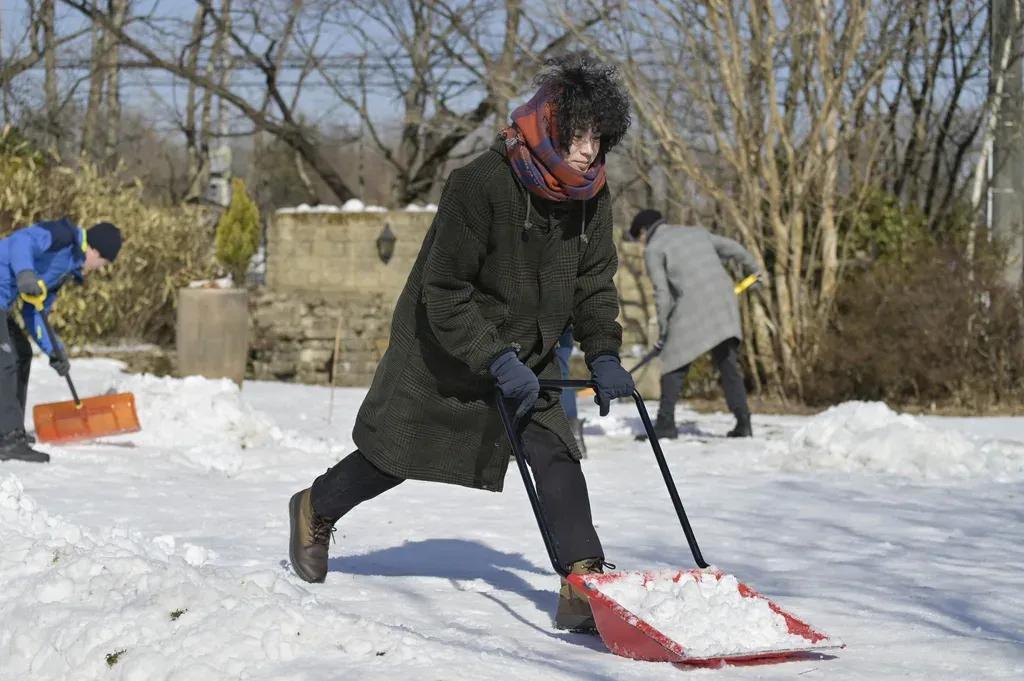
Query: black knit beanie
[
  {"x": 105, "y": 238},
  {"x": 643, "y": 220}
]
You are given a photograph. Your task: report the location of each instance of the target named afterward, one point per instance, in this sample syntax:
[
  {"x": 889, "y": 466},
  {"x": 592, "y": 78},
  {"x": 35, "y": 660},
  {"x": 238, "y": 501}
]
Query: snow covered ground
[{"x": 162, "y": 554}]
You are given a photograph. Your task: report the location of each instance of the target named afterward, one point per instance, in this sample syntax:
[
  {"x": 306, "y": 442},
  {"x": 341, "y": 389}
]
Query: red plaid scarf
[{"x": 531, "y": 143}]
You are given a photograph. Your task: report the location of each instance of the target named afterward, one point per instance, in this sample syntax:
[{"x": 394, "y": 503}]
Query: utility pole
[{"x": 1007, "y": 183}]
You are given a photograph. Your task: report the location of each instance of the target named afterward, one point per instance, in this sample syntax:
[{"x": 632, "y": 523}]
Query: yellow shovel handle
[
  {"x": 738, "y": 289},
  {"x": 36, "y": 301},
  {"x": 745, "y": 284}
]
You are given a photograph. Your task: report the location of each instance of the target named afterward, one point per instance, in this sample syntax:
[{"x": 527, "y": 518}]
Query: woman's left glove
[{"x": 612, "y": 381}]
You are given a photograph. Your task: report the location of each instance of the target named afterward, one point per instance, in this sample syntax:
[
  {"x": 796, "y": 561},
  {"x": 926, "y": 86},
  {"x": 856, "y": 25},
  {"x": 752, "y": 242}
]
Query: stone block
[{"x": 212, "y": 333}]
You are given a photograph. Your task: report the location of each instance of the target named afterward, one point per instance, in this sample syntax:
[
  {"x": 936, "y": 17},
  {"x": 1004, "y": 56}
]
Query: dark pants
[
  {"x": 559, "y": 478},
  {"x": 724, "y": 357},
  {"x": 15, "y": 364}
]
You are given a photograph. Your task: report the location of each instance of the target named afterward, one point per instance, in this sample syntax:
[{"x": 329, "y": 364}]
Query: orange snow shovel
[
  {"x": 628, "y": 633},
  {"x": 80, "y": 419}
]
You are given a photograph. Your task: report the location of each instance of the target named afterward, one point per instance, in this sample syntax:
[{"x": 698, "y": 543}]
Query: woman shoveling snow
[{"x": 520, "y": 248}]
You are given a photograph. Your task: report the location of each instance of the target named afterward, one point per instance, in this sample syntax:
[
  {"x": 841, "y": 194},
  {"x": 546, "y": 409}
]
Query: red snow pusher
[{"x": 677, "y": 615}]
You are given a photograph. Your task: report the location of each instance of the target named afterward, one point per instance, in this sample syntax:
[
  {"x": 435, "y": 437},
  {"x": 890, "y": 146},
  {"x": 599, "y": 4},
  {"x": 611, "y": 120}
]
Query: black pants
[
  {"x": 724, "y": 357},
  {"x": 560, "y": 485},
  {"x": 15, "y": 364}
]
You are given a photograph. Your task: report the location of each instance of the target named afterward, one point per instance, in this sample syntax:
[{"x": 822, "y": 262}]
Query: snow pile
[
  {"x": 223, "y": 282},
  {"x": 350, "y": 206},
  {"x": 868, "y": 436},
  {"x": 83, "y": 604},
  {"x": 355, "y": 206},
  {"x": 208, "y": 424},
  {"x": 706, "y": 616},
  {"x": 417, "y": 208}
]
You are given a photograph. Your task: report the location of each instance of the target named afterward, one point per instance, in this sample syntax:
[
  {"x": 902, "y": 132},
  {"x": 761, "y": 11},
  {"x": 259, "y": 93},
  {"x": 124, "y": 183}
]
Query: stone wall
[
  {"x": 294, "y": 336},
  {"x": 314, "y": 253},
  {"x": 324, "y": 267},
  {"x": 325, "y": 278}
]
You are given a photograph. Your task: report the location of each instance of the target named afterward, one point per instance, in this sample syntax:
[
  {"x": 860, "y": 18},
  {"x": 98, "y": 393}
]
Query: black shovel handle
[
  {"x": 654, "y": 352},
  {"x": 59, "y": 351},
  {"x": 531, "y": 489}
]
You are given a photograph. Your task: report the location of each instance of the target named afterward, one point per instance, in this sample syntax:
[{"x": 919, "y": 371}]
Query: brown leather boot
[
  {"x": 573, "y": 611},
  {"x": 310, "y": 534}
]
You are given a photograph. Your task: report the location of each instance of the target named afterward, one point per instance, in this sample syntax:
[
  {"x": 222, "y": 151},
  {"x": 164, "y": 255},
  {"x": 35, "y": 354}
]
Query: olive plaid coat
[{"x": 492, "y": 275}]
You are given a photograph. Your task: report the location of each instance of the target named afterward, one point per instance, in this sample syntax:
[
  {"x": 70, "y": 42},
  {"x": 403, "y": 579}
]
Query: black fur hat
[{"x": 586, "y": 94}]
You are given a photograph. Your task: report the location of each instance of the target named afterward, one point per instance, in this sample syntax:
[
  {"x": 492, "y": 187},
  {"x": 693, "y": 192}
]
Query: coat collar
[{"x": 653, "y": 229}]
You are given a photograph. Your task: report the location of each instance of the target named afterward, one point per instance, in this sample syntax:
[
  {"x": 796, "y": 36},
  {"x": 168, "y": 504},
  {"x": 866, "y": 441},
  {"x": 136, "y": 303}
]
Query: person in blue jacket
[{"x": 35, "y": 262}]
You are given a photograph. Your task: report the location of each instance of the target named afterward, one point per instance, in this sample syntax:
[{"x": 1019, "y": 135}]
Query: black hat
[
  {"x": 643, "y": 220},
  {"x": 105, "y": 238}
]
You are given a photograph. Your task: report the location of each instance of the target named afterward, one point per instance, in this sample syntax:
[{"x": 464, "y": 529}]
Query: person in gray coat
[{"x": 697, "y": 311}]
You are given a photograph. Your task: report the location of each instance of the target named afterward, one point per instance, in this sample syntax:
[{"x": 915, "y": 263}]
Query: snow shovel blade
[
  {"x": 92, "y": 417},
  {"x": 629, "y": 635}
]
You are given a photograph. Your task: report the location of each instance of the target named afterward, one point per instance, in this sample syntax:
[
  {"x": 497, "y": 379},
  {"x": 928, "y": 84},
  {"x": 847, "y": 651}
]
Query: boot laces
[
  {"x": 594, "y": 565},
  {"x": 322, "y": 529}
]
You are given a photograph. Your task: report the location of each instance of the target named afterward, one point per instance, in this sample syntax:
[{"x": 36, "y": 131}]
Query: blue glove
[
  {"x": 612, "y": 381},
  {"x": 516, "y": 381}
]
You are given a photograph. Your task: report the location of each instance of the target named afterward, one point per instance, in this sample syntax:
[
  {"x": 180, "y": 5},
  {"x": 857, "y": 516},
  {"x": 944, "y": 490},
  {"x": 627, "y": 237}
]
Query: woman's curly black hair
[{"x": 587, "y": 95}]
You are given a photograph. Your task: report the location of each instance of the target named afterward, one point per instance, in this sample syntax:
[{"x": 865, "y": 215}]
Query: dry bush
[
  {"x": 164, "y": 247},
  {"x": 922, "y": 329}
]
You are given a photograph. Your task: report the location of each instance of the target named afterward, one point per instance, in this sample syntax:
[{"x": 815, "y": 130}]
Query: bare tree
[
  {"x": 37, "y": 42},
  {"x": 450, "y": 69},
  {"x": 196, "y": 138},
  {"x": 259, "y": 36},
  {"x": 49, "y": 49},
  {"x": 96, "y": 78},
  {"x": 747, "y": 103},
  {"x": 119, "y": 12},
  {"x": 932, "y": 104}
]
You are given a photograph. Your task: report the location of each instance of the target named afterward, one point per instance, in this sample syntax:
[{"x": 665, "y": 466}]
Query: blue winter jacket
[{"x": 55, "y": 251}]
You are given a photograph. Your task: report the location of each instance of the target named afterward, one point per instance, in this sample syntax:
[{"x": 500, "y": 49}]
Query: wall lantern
[{"x": 386, "y": 244}]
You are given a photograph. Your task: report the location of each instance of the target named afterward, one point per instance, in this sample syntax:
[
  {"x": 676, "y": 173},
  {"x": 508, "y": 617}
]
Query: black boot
[
  {"x": 664, "y": 429},
  {"x": 742, "y": 428},
  {"x": 14, "y": 446}
]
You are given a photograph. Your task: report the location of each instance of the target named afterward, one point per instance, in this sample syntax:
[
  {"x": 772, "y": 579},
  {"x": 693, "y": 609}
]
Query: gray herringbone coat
[
  {"x": 483, "y": 284},
  {"x": 693, "y": 292}
]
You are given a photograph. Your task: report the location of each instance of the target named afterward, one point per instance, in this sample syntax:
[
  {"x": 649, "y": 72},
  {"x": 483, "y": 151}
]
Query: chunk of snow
[{"x": 705, "y": 615}]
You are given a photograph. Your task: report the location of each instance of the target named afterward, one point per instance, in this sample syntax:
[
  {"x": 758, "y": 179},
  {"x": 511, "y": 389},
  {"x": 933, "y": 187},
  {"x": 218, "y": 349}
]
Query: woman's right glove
[
  {"x": 611, "y": 381},
  {"x": 516, "y": 381}
]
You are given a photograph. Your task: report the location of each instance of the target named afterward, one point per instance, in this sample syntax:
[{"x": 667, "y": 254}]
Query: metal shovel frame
[
  {"x": 531, "y": 490},
  {"x": 622, "y": 631}
]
